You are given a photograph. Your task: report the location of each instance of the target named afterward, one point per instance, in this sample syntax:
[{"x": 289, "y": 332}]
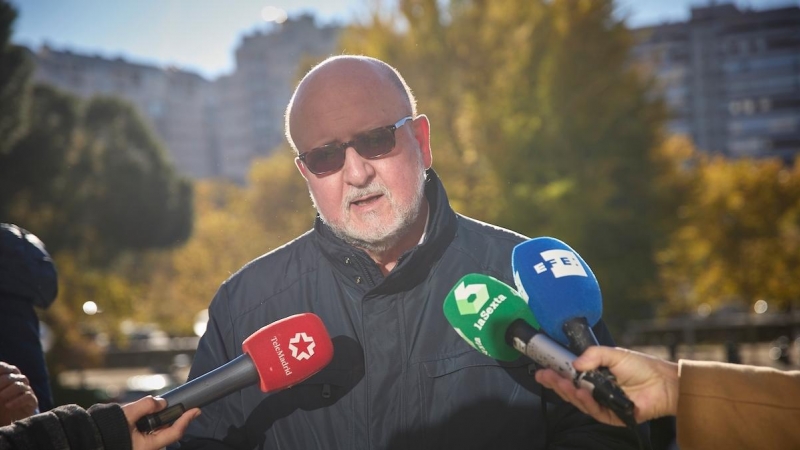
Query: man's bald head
[{"x": 347, "y": 72}]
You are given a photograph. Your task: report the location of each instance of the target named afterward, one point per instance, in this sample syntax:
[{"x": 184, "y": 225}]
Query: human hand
[
  {"x": 161, "y": 437},
  {"x": 17, "y": 400},
  {"x": 650, "y": 383}
]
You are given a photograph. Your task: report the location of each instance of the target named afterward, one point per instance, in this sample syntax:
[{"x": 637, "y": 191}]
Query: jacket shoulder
[
  {"x": 490, "y": 231},
  {"x": 474, "y": 232},
  {"x": 488, "y": 246},
  {"x": 271, "y": 273}
]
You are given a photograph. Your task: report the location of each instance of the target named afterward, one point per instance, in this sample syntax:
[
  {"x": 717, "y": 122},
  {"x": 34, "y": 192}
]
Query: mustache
[{"x": 372, "y": 189}]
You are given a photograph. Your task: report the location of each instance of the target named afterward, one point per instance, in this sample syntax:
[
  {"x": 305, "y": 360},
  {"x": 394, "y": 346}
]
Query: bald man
[{"x": 385, "y": 250}]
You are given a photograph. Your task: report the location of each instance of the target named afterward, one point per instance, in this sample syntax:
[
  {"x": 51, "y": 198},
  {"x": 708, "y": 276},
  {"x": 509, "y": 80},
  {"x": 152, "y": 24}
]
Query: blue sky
[{"x": 201, "y": 35}]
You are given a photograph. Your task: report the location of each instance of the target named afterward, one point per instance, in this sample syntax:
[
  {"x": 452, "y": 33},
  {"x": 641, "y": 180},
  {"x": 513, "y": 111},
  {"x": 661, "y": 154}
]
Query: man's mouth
[{"x": 366, "y": 200}]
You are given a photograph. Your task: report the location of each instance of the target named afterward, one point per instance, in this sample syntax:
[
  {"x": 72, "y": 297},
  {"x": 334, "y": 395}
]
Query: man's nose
[{"x": 357, "y": 171}]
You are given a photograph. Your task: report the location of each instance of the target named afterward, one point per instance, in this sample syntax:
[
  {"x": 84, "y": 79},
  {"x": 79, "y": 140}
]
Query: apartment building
[{"x": 730, "y": 77}]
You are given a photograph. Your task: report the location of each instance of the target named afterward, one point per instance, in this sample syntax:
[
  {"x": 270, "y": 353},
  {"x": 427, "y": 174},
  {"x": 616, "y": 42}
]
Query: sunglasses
[{"x": 370, "y": 145}]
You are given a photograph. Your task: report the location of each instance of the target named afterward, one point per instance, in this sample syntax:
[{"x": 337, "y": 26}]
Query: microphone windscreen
[
  {"x": 557, "y": 283},
  {"x": 480, "y": 308},
  {"x": 289, "y": 350}
]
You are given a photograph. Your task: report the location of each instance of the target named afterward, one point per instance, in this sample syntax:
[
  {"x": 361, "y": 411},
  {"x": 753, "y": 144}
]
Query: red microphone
[{"x": 277, "y": 356}]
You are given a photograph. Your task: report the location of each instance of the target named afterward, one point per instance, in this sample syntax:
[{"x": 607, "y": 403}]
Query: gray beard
[{"x": 391, "y": 237}]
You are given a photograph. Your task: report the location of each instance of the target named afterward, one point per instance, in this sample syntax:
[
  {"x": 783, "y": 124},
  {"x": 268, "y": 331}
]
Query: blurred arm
[
  {"x": 103, "y": 426},
  {"x": 732, "y": 405},
  {"x": 718, "y": 405}
]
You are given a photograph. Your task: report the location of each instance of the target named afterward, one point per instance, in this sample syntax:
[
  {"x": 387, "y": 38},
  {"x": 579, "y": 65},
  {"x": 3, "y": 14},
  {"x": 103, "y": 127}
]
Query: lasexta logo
[{"x": 471, "y": 298}]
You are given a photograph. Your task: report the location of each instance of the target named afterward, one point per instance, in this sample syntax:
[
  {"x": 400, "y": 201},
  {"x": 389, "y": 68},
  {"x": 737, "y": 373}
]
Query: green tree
[
  {"x": 90, "y": 176},
  {"x": 15, "y": 71},
  {"x": 540, "y": 124},
  {"x": 93, "y": 183},
  {"x": 37, "y": 193},
  {"x": 143, "y": 203},
  {"x": 82, "y": 174}
]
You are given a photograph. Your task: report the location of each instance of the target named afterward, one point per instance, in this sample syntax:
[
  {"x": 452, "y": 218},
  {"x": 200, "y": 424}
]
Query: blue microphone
[{"x": 561, "y": 291}]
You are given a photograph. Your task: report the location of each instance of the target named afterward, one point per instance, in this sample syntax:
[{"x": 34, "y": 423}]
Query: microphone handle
[
  {"x": 548, "y": 353},
  {"x": 581, "y": 336},
  {"x": 541, "y": 349},
  {"x": 607, "y": 393},
  {"x": 231, "y": 377}
]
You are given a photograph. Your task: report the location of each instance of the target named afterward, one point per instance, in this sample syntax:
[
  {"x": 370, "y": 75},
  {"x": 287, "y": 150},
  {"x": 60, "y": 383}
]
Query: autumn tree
[
  {"x": 737, "y": 238},
  {"x": 234, "y": 225},
  {"x": 539, "y": 124},
  {"x": 90, "y": 177},
  {"x": 15, "y": 70},
  {"x": 143, "y": 202}
]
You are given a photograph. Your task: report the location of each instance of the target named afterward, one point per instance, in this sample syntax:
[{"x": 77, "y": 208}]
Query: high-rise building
[
  {"x": 252, "y": 100},
  {"x": 175, "y": 104},
  {"x": 731, "y": 78}
]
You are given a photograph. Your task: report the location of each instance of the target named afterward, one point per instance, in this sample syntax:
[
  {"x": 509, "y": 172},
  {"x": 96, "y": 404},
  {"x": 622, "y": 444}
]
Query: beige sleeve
[{"x": 730, "y": 406}]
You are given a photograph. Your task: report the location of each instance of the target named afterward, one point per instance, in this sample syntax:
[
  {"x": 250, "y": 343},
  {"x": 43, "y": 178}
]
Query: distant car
[
  {"x": 139, "y": 386},
  {"x": 148, "y": 337}
]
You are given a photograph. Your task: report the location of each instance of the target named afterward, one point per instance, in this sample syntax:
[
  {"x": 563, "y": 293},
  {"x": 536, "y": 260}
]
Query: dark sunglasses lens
[
  {"x": 325, "y": 159},
  {"x": 375, "y": 143}
]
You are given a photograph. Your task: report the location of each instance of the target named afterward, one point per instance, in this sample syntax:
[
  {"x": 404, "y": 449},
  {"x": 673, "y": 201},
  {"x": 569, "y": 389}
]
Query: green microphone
[{"x": 481, "y": 308}]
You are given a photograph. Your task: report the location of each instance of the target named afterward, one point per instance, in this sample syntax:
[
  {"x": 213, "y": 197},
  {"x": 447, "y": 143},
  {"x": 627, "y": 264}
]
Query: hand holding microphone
[
  {"x": 651, "y": 383},
  {"x": 565, "y": 297},
  {"x": 493, "y": 319},
  {"x": 157, "y": 439},
  {"x": 277, "y": 356}
]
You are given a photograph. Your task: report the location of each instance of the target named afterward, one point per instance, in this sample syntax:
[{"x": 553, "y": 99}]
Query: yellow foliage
[
  {"x": 234, "y": 225},
  {"x": 736, "y": 239}
]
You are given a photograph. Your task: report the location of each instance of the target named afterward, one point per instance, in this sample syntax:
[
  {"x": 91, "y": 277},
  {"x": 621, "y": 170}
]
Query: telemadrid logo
[{"x": 305, "y": 339}]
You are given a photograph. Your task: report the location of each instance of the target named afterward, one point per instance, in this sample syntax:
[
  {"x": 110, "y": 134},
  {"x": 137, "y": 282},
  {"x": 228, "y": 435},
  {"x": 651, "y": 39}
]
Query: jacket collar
[{"x": 414, "y": 266}]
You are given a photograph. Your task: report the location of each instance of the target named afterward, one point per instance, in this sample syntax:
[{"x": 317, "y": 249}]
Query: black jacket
[
  {"x": 400, "y": 377},
  {"x": 70, "y": 427},
  {"x": 28, "y": 278}
]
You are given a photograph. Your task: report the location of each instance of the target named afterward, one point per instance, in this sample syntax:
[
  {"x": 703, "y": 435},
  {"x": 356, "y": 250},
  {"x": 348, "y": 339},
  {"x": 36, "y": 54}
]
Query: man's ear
[
  {"x": 301, "y": 168},
  {"x": 422, "y": 133}
]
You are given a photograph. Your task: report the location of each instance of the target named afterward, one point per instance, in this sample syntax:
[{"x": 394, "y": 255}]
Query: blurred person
[
  {"x": 385, "y": 250},
  {"x": 101, "y": 427},
  {"x": 28, "y": 279},
  {"x": 717, "y": 405},
  {"x": 17, "y": 399}
]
